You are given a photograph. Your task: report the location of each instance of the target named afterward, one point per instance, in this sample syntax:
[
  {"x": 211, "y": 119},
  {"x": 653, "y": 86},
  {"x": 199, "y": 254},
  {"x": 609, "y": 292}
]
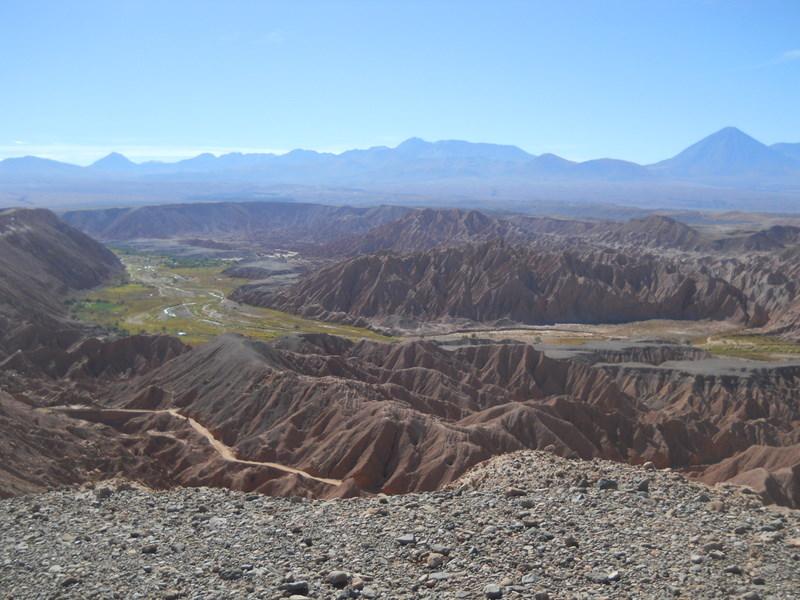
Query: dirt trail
[{"x": 225, "y": 451}]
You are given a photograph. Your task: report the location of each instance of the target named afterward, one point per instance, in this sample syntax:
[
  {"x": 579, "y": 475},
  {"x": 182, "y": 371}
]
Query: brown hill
[
  {"x": 428, "y": 228},
  {"x": 494, "y": 281},
  {"x": 348, "y": 231},
  {"x": 317, "y": 415},
  {"x": 402, "y": 417},
  {"x": 281, "y": 223},
  {"x": 773, "y": 238},
  {"x": 390, "y": 417},
  {"x": 40, "y": 451},
  {"x": 377, "y": 417},
  {"x": 424, "y": 229},
  {"x": 770, "y": 280},
  {"x": 772, "y": 471},
  {"x": 41, "y": 260},
  {"x": 655, "y": 231}
]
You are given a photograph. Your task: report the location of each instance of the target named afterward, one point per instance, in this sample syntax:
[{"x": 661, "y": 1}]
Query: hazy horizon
[
  {"x": 582, "y": 80},
  {"x": 135, "y": 155}
]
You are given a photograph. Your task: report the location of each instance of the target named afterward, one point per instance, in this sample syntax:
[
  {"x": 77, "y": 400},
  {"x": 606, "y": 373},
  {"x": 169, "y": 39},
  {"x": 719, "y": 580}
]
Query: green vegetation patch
[
  {"x": 189, "y": 262},
  {"x": 190, "y": 301},
  {"x": 751, "y": 346}
]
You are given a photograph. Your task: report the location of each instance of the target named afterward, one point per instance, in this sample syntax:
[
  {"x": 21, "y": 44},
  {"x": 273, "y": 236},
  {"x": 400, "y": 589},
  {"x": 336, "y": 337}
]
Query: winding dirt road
[{"x": 225, "y": 451}]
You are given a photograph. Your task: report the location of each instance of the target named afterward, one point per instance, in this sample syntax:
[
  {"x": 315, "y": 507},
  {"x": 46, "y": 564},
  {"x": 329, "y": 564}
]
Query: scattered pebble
[{"x": 471, "y": 540}]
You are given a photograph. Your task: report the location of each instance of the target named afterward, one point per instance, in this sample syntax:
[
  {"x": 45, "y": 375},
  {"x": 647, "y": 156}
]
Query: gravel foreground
[{"x": 524, "y": 525}]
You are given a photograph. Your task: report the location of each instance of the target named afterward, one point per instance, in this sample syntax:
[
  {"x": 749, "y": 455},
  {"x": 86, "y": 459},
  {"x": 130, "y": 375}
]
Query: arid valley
[
  {"x": 396, "y": 352},
  {"x": 399, "y": 300}
]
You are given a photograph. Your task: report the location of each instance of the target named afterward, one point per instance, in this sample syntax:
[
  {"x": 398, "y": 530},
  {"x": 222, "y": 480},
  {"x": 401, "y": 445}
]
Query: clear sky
[{"x": 637, "y": 80}]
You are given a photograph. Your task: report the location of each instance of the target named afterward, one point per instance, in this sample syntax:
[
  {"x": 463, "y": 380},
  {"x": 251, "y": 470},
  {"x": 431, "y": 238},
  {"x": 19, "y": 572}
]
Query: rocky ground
[{"x": 524, "y": 525}]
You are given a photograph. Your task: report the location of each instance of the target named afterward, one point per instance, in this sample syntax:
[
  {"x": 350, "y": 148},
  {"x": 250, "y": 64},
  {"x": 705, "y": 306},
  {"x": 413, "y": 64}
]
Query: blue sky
[{"x": 637, "y": 80}]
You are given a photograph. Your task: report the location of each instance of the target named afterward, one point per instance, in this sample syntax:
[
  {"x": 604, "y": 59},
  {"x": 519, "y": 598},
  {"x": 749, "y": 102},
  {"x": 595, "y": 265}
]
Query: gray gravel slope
[{"x": 525, "y": 525}]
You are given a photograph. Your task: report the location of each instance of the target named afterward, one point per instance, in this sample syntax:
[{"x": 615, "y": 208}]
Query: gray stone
[
  {"x": 296, "y": 587},
  {"x": 597, "y": 577},
  {"x": 407, "y": 539},
  {"x": 492, "y": 591},
  {"x": 230, "y": 574},
  {"x": 338, "y": 579},
  {"x": 733, "y": 569},
  {"x": 440, "y": 549}
]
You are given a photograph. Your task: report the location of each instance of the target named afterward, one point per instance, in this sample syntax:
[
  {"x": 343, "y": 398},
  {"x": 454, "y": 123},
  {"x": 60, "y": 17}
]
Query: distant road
[{"x": 226, "y": 452}]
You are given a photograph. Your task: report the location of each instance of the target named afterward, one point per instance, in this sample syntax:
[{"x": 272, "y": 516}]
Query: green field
[
  {"x": 751, "y": 346},
  {"x": 165, "y": 296}
]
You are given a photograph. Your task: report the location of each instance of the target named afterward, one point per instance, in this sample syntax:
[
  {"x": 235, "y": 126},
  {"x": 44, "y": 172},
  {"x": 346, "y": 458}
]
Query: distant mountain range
[
  {"x": 732, "y": 153},
  {"x": 728, "y": 159}
]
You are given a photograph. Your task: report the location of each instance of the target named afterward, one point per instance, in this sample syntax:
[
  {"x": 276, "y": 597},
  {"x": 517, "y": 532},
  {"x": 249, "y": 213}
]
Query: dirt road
[{"x": 225, "y": 451}]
